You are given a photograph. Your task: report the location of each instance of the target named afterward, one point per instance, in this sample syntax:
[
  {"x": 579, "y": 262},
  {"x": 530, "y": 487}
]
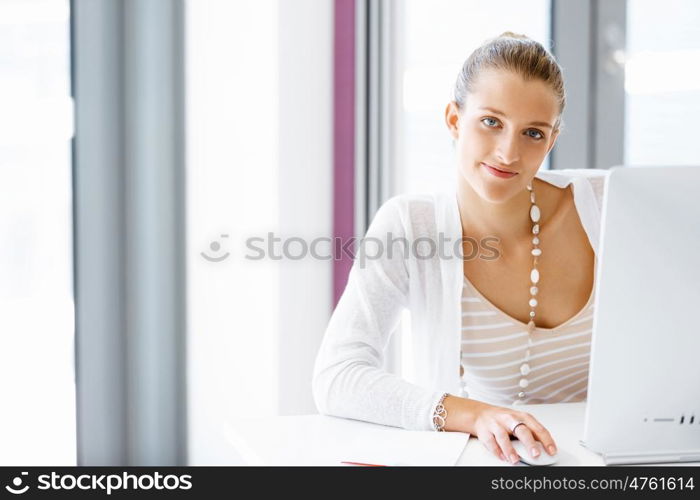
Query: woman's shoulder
[
  {"x": 417, "y": 201},
  {"x": 594, "y": 177},
  {"x": 564, "y": 176},
  {"x": 417, "y": 210},
  {"x": 422, "y": 202}
]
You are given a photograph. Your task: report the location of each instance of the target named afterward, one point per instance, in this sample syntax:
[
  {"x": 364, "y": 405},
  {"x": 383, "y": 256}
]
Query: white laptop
[{"x": 644, "y": 381}]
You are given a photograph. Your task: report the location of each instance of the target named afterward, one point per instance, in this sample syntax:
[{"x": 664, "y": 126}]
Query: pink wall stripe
[{"x": 343, "y": 140}]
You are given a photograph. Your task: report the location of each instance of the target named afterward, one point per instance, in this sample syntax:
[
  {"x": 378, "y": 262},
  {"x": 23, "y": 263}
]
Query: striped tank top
[{"x": 493, "y": 351}]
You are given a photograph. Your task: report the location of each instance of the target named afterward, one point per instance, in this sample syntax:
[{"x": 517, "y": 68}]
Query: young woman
[{"x": 490, "y": 329}]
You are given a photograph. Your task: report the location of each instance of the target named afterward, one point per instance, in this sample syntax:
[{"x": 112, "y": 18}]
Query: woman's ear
[{"x": 452, "y": 119}]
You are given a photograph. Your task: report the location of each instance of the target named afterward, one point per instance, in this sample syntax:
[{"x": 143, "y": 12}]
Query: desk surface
[{"x": 294, "y": 440}]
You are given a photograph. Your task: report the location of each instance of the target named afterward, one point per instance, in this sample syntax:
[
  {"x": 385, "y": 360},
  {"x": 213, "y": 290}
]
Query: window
[
  {"x": 232, "y": 191},
  {"x": 662, "y": 83},
  {"x": 36, "y": 289},
  {"x": 259, "y": 156}
]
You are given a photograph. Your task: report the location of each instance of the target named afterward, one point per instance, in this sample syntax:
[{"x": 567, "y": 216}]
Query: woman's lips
[{"x": 499, "y": 173}]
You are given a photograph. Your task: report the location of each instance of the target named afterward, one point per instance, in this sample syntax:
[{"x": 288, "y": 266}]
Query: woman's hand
[{"x": 492, "y": 426}]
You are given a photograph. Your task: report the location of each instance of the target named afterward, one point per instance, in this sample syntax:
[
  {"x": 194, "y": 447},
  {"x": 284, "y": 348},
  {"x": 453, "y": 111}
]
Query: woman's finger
[
  {"x": 540, "y": 433},
  {"x": 523, "y": 433},
  {"x": 503, "y": 440},
  {"x": 489, "y": 442}
]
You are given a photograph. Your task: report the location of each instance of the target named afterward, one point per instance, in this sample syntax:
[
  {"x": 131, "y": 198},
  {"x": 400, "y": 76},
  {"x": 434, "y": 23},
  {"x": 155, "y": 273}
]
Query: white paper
[{"x": 323, "y": 440}]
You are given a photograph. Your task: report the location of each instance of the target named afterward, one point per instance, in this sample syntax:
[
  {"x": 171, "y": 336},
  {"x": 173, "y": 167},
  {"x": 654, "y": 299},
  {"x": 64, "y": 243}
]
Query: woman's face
[{"x": 506, "y": 123}]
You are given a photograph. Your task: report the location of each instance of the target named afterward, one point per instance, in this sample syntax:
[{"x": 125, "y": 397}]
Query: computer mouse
[{"x": 543, "y": 458}]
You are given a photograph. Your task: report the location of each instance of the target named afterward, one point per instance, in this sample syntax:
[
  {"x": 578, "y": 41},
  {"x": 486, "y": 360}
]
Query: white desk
[{"x": 311, "y": 439}]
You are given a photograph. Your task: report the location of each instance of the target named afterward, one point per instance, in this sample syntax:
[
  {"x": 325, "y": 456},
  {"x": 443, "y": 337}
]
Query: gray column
[
  {"x": 128, "y": 74},
  {"x": 611, "y": 39},
  {"x": 589, "y": 43},
  {"x": 573, "y": 47}
]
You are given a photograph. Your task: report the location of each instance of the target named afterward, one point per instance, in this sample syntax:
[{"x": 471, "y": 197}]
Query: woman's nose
[{"x": 508, "y": 151}]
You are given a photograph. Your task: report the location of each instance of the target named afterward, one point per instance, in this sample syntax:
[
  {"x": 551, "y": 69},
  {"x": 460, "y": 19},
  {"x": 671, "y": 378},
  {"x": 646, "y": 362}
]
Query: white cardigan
[{"x": 348, "y": 378}]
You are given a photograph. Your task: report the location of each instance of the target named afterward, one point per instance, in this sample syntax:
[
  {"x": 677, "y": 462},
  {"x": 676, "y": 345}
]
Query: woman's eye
[{"x": 492, "y": 122}]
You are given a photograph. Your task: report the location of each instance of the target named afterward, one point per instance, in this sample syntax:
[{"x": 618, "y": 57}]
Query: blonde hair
[{"x": 519, "y": 54}]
